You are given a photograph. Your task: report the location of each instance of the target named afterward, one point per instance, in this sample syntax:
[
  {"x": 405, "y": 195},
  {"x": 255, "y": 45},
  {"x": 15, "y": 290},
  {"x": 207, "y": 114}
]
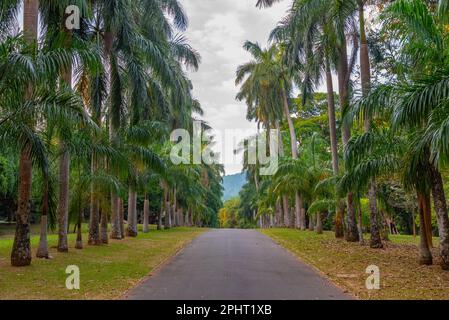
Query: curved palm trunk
[
  {"x": 21, "y": 250},
  {"x": 146, "y": 215},
  {"x": 440, "y": 204},
  {"x": 352, "y": 234},
  {"x": 294, "y": 148},
  {"x": 132, "y": 213},
  {"x": 365, "y": 74}
]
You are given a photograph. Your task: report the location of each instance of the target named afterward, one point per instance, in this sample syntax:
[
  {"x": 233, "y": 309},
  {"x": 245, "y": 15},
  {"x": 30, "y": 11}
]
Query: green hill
[{"x": 232, "y": 185}]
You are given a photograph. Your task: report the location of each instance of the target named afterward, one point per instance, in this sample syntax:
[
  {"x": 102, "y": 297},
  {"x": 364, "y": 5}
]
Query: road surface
[{"x": 235, "y": 265}]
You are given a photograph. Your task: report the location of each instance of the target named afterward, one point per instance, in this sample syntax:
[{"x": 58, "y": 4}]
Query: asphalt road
[{"x": 235, "y": 265}]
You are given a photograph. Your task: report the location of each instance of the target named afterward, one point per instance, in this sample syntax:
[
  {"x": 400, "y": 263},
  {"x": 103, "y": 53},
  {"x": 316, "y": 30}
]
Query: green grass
[
  {"x": 345, "y": 264},
  {"x": 106, "y": 272}
]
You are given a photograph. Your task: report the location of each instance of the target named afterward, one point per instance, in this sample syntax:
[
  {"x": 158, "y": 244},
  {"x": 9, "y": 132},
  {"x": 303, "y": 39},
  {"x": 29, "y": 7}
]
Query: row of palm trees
[
  {"x": 88, "y": 112},
  {"x": 392, "y": 103}
]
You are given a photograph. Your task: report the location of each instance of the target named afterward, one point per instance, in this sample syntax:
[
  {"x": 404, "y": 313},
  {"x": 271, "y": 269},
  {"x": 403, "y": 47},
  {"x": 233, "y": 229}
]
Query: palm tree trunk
[
  {"x": 104, "y": 238},
  {"x": 440, "y": 205},
  {"x": 319, "y": 224},
  {"x": 332, "y": 121},
  {"x": 311, "y": 223},
  {"x": 21, "y": 251},
  {"x": 146, "y": 215},
  {"x": 63, "y": 205},
  {"x": 132, "y": 213},
  {"x": 159, "y": 216},
  {"x": 79, "y": 232},
  {"x": 42, "y": 250},
  {"x": 376, "y": 240},
  {"x": 115, "y": 210},
  {"x": 343, "y": 84},
  {"x": 286, "y": 211},
  {"x": 365, "y": 74},
  {"x": 122, "y": 217},
  {"x": 294, "y": 147},
  {"x": 64, "y": 168},
  {"x": 360, "y": 224},
  {"x": 94, "y": 230},
  {"x": 424, "y": 247}
]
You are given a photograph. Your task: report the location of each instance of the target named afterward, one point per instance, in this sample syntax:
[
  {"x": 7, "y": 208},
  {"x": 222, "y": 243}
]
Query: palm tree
[
  {"x": 21, "y": 252},
  {"x": 268, "y": 85}
]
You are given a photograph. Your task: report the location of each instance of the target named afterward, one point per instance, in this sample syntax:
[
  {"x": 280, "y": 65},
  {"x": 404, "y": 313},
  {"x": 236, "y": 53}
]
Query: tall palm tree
[
  {"x": 21, "y": 252},
  {"x": 267, "y": 83}
]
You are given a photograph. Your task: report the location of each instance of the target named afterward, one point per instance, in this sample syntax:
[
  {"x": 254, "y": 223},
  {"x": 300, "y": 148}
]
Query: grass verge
[
  {"x": 106, "y": 272},
  {"x": 345, "y": 264}
]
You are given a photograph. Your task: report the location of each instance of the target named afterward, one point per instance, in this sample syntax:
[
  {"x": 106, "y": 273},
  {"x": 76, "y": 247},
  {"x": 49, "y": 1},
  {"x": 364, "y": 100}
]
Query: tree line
[
  {"x": 372, "y": 156},
  {"x": 85, "y": 122}
]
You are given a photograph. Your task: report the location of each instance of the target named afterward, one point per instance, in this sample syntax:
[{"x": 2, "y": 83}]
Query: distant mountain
[{"x": 232, "y": 185}]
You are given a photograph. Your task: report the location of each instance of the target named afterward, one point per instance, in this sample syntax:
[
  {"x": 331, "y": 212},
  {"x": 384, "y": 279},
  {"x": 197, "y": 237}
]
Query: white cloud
[{"x": 218, "y": 29}]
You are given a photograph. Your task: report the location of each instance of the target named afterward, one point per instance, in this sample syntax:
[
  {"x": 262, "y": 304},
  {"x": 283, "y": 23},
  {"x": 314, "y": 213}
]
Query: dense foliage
[
  {"x": 85, "y": 122},
  {"x": 372, "y": 157}
]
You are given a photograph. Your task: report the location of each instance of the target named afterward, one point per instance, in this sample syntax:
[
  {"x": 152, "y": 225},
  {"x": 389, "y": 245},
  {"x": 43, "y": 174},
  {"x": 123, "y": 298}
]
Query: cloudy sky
[{"x": 218, "y": 29}]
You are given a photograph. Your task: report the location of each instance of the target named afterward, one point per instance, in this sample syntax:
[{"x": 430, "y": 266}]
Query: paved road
[{"x": 235, "y": 265}]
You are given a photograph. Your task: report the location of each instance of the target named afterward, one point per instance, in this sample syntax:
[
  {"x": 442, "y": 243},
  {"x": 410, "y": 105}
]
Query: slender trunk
[
  {"x": 21, "y": 250},
  {"x": 375, "y": 241},
  {"x": 440, "y": 205},
  {"x": 365, "y": 74},
  {"x": 122, "y": 217},
  {"x": 319, "y": 224},
  {"x": 286, "y": 212},
  {"x": 343, "y": 84},
  {"x": 294, "y": 148},
  {"x": 311, "y": 223},
  {"x": 116, "y": 232},
  {"x": 63, "y": 205},
  {"x": 167, "y": 210},
  {"x": 332, "y": 121},
  {"x": 146, "y": 215},
  {"x": 424, "y": 247},
  {"x": 79, "y": 232},
  {"x": 94, "y": 230},
  {"x": 386, "y": 227},
  {"x": 159, "y": 216},
  {"x": 291, "y": 127},
  {"x": 360, "y": 224},
  {"x": 104, "y": 227},
  {"x": 339, "y": 217},
  {"x": 42, "y": 250},
  {"x": 132, "y": 213}
]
